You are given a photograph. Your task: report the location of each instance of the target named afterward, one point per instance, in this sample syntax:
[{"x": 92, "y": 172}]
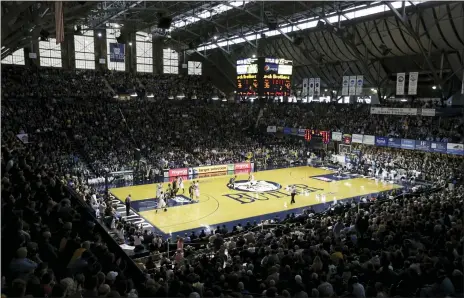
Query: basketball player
[
  {"x": 181, "y": 184},
  {"x": 231, "y": 183},
  {"x": 174, "y": 188},
  {"x": 159, "y": 189},
  {"x": 161, "y": 203},
  {"x": 293, "y": 194},
  {"x": 318, "y": 198},
  {"x": 323, "y": 198},
  {"x": 197, "y": 190},
  {"x": 169, "y": 191},
  {"x": 191, "y": 190}
]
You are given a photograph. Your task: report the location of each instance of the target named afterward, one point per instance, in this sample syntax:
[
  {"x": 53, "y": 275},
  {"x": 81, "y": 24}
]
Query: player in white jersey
[
  {"x": 180, "y": 184},
  {"x": 318, "y": 198},
  {"x": 197, "y": 190},
  {"x": 161, "y": 203},
  {"x": 323, "y": 198},
  {"x": 159, "y": 189}
]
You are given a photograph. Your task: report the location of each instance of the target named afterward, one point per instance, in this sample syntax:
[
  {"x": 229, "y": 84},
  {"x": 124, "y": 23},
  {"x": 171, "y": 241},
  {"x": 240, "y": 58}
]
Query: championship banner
[
  {"x": 317, "y": 87},
  {"x": 210, "y": 169},
  {"x": 368, "y": 140},
  {"x": 352, "y": 88},
  {"x": 412, "y": 87},
  {"x": 357, "y": 138},
  {"x": 359, "y": 84},
  {"x": 347, "y": 138},
  {"x": 408, "y": 144},
  {"x": 336, "y": 136},
  {"x": 423, "y": 145},
  {"x": 427, "y": 112},
  {"x": 454, "y": 148},
  {"x": 394, "y": 143},
  {"x": 117, "y": 52},
  {"x": 271, "y": 129},
  {"x": 345, "y": 84},
  {"x": 178, "y": 172},
  {"x": 400, "y": 78},
  {"x": 242, "y": 166},
  {"x": 381, "y": 141},
  {"x": 23, "y": 137},
  {"x": 438, "y": 147},
  {"x": 304, "y": 91},
  {"x": 311, "y": 87}
]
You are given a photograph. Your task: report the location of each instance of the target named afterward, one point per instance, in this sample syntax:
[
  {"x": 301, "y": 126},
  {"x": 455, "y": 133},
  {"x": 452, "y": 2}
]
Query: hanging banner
[
  {"x": 336, "y": 136},
  {"x": 426, "y": 112},
  {"x": 394, "y": 143},
  {"x": 381, "y": 141},
  {"x": 394, "y": 111},
  {"x": 438, "y": 147},
  {"x": 400, "y": 77},
  {"x": 352, "y": 89},
  {"x": 408, "y": 144},
  {"x": 311, "y": 87},
  {"x": 412, "y": 87},
  {"x": 117, "y": 52},
  {"x": 359, "y": 84},
  {"x": 304, "y": 92},
  {"x": 345, "y": 84},
  {"x": 317, "y": 87}
]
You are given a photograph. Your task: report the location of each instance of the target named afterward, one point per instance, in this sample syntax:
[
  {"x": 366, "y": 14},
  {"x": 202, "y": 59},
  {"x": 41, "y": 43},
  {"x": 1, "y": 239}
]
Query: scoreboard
[
  {"x": 264, "y": 76},
  {"x": 247, "y": 76},
  {"x": 277, "y": 77}
]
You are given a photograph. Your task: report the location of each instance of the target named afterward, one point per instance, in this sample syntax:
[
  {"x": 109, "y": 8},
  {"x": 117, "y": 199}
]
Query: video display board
[{"x": 264, "y": 76}]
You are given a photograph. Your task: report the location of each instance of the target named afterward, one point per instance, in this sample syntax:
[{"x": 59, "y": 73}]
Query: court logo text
[{"x": 257, "y": 186}]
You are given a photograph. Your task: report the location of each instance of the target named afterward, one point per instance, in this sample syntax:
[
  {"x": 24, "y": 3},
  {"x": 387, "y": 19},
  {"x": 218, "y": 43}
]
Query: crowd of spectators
[{"x": 397, "y": 247}]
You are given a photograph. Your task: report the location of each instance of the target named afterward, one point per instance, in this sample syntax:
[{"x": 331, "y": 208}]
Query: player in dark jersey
[
  {"x": 191, "y": 190},
  {"x": 231, "y": 183}
]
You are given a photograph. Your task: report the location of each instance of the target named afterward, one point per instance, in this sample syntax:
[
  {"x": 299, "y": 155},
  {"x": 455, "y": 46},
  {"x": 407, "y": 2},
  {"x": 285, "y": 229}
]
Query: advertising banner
[
  {"x": 317, "y": 87},
  {"x": 287, "y": 130},
  {"x": 347, "y": 138},
  {"x": 359, "y": 84},
  {"x": 438, "y": 147},
  {"x": 400, "y": 78},
  {"x": 368, "y": 140},
  {"x": 210, "y": 169},
  {"x": 311, "y": 87},
  {"x": 381, "y": 141},
  {"x": 242, "y": 166},
  {"x": 271, "y": 129},
  {"x": 117, "y": 52},
  {"x": 357, "y": 138},
  {"x": 394, "y": 111},
  {"x": 294, "y": 131},
  {"x": 408, "y": 144},
  {"x": 336, "y": 136},
  {"x": 352, "y": 88},
  {"x": 231, "y": 167},
  {"x": 454, "y": 148},
  {"x": 394, "y": 143},
  {"x": 301, "y": 132},
  {"x": 427, "y": 112},
  {"x": 178, "y": 172},
  {"x": 304, "y": 92},
  {"x": 345, "y": 84},
  {"x": 423, "y": 145}
]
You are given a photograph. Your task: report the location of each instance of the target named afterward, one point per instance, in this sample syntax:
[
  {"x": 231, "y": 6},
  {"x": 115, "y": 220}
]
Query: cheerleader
[
  {"x": 197, "y": 190},
  {"x": 180, "y": 182},
  {"x": 161, "y": 203},
  {"x": 159, "y": 190}
]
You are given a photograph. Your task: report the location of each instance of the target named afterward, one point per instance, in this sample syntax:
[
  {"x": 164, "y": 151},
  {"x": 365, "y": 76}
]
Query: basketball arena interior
[{"x": 232, "y": 149}]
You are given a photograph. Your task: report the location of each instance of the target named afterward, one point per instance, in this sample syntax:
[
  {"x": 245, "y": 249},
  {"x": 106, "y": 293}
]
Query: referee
[{"x": 293, "y": 194}]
